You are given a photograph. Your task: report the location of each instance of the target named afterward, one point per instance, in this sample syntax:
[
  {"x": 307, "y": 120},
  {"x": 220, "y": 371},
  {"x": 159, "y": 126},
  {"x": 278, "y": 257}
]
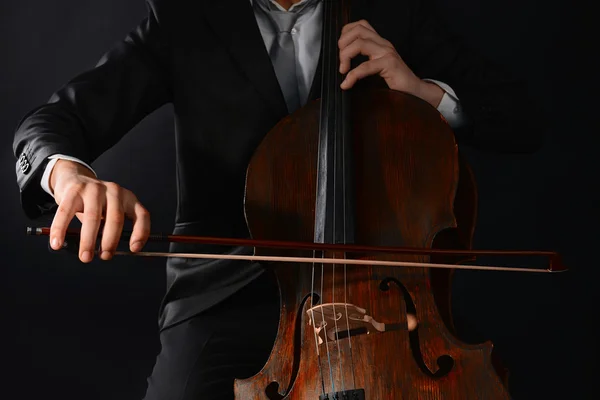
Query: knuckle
[
  {"x": 109, "y": 244},
  {"x": 113, "y": 187},
  {"x": 364, "y": 24},
  {"x": 57, "y": 229},
  {"x": 364, "y": 70},
  {"x": 97, "y": 186},
  {"x": 389, "y": 59},
  {"x": 92, "y": 213},
  {"x": 91, "y": 190},
  {"x": 76, "y": 189},
  {"x": 143, "y": 212},
  {"x": 93, "y": 216},
  {"x": 62, "y": 208},
  {"x": 127, "y": 194},
  {"x": 144, "y": 232},
  {"x": 116, "y": 217}
]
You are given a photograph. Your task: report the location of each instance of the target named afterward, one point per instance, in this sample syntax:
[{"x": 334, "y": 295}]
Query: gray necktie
[{"x": 283, "y": 52}]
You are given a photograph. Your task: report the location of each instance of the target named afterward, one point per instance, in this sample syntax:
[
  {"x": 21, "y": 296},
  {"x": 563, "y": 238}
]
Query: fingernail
[
  {"x": 54, "y": 243},
  {"x": 86, "y": 256}
]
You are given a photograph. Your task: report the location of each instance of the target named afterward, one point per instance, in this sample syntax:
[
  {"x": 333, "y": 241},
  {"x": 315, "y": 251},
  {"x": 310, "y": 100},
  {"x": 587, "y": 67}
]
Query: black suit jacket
[{"x": 211, "y": 63}]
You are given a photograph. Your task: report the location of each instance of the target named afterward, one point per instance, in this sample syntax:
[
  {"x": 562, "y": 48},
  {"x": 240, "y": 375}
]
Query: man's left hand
[{"x": 360, "y": 38}]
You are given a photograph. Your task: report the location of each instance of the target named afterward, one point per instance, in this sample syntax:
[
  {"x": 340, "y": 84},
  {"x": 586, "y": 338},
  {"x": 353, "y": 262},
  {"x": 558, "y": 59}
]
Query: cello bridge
[{"x": 334, "y": 321}]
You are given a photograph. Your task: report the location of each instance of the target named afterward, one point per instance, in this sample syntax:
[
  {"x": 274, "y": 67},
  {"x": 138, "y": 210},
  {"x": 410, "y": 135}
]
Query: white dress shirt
[{"x": 307, "y": 41}]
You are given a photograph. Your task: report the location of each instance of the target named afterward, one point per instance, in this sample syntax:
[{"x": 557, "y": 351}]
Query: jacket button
[{"x": 24, "y": 163}]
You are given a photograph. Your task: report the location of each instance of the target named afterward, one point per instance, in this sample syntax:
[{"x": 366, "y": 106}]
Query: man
[{"x": 220, "y": 64}]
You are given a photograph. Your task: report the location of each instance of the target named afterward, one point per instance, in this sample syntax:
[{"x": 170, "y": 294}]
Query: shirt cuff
[
  {"x": 53, "y": 159},
  {"x": 449, "y": 106}
]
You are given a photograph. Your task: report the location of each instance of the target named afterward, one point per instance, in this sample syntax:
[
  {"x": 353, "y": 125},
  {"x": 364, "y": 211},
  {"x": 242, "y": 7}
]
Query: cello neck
[{"x": 335, "y": 204}]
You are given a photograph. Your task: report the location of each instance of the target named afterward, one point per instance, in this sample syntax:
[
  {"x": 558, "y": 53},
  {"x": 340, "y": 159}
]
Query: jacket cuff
[{"x": 29, "y": 168}]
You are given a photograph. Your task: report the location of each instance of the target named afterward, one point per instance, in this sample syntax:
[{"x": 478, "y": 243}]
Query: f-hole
[
  {"x": 445, "y": 362},
  {"x": 272, "y": 389}
]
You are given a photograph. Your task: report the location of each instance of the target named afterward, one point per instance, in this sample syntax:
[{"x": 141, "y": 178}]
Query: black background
[{"x": 74, "y": 331}]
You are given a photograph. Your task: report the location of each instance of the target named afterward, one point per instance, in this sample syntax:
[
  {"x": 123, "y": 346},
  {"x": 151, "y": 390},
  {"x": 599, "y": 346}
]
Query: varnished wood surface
[{"x": 407, "y": 172}]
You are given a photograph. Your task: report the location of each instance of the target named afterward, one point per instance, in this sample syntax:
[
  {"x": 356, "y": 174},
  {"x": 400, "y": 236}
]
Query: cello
[
  {"x": 349, "y": 175},
  {"x": 375, "y": 168}
]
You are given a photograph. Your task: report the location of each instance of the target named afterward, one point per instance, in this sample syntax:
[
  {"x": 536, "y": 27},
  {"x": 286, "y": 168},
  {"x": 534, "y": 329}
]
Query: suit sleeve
[
  {"x": 93, "y": 111},
  {"x": 500, "y": 114}
]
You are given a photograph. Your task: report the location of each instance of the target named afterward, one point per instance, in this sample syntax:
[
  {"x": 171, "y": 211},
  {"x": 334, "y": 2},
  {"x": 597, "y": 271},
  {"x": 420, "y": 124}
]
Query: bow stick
[{"x": 554, "y": 260}]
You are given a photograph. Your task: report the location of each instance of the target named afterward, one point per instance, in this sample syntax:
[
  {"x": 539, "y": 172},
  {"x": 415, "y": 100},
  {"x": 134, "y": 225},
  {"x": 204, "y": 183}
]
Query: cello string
[
  {"x": 314, "y": 323},
  {"x": 325, "y": 332},
  {"x": 337, "y": 342},
  {"x": 323, "y": 87},
  {"x": 326, "y": 86},
  {"x": 336, "y": 132},
  {"x": 344, "y": 127},
  {"x": 348, "y": 330}
]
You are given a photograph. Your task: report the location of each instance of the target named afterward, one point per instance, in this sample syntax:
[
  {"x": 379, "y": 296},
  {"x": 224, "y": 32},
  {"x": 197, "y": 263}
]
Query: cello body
[{"x": 405, "y": 173}]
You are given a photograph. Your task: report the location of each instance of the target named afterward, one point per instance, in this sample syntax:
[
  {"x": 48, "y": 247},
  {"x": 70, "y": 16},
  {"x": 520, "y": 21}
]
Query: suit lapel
[{"x": 234, "y": 22}]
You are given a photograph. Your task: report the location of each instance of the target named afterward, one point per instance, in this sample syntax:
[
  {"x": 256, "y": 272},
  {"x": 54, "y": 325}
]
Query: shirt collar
[{"x": 273, "y": 5}]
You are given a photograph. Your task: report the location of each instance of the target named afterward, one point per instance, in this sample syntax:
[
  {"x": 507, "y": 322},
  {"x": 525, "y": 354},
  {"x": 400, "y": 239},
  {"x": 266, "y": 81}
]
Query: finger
[
  {"x": 114, "y": 221},
  {"x": 368, "y": 68},
  {"x": 412, "y": 322},
  {"x": 94, "y": 202},
  {"x": 141, "y": 222},
  {"x": 361, "y": 46},
  {"x": 363, "y": 23},
  {"x": 70, "y": 204},
  {"x": 362, "y": 33}
]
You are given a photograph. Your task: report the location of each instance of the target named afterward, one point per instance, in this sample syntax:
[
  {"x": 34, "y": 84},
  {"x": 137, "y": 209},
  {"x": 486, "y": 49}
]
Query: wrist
[
  {"x": 430, "y": 92},
  {"x": 64, "y": 168}
]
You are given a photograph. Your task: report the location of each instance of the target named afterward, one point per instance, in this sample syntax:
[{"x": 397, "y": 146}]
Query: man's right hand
[{"x": 79, "y": 193}]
